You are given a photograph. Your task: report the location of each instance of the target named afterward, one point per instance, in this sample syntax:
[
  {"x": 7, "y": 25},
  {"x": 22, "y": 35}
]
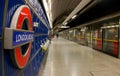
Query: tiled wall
[{"x": 37, "y": 54}]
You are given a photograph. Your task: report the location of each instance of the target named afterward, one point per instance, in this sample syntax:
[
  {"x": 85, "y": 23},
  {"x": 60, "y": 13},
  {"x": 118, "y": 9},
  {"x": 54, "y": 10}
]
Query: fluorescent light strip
[
  {"x": 48, "y": 10},
  {"x": 80, "y": 6}
]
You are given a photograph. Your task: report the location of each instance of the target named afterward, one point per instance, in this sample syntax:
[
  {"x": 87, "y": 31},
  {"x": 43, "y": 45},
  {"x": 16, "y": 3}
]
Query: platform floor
[{"x": 67, "y": 58}]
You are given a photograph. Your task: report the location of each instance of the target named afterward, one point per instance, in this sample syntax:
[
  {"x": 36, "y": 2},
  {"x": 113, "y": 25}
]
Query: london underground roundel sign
[{"x": 21, "y": 34}]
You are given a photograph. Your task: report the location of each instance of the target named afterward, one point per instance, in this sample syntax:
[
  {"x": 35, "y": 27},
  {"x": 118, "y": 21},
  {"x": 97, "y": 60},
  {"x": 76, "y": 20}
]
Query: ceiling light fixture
[
  {"x": 74, "y": 16},
  {"x": 65, "y": 23},
  {"x": 79, "y": 7},
  {"x": 64, "y": 27}
]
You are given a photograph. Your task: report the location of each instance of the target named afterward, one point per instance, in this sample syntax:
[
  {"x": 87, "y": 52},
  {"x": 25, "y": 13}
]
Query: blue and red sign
[{"x": 19, "y": 37}]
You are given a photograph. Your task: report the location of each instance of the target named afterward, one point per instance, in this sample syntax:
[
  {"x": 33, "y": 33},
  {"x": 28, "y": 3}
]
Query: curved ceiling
[
  {"x": 61, "y": 9},
  {"x": 100, "y": 10}
]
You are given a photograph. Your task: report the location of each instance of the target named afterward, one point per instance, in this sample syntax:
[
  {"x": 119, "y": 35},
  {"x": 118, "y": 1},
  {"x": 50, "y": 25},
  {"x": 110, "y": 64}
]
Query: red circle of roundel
[{"x": 22, "y": 13}]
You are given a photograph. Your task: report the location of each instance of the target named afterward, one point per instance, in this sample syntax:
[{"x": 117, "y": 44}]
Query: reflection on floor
[{"x": 66, "y": 58}]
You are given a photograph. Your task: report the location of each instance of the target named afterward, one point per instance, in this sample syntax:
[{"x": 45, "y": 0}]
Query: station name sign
[{"x": 14, "y": 37}]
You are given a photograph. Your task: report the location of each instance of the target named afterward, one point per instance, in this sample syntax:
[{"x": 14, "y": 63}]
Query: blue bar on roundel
[
  {"x": 14, "y": 37},
  {"x": 21, "y": 37}
]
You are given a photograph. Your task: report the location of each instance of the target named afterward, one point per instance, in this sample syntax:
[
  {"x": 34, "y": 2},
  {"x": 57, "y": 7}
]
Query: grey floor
[{"x": 66, "y": 58}]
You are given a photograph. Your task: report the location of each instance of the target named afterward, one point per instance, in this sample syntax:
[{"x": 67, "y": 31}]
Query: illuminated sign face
[
  {"x": 22, "y": 37},
  {"x": 18, "y": 38},
  {"x": 15, "y": 38}
]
